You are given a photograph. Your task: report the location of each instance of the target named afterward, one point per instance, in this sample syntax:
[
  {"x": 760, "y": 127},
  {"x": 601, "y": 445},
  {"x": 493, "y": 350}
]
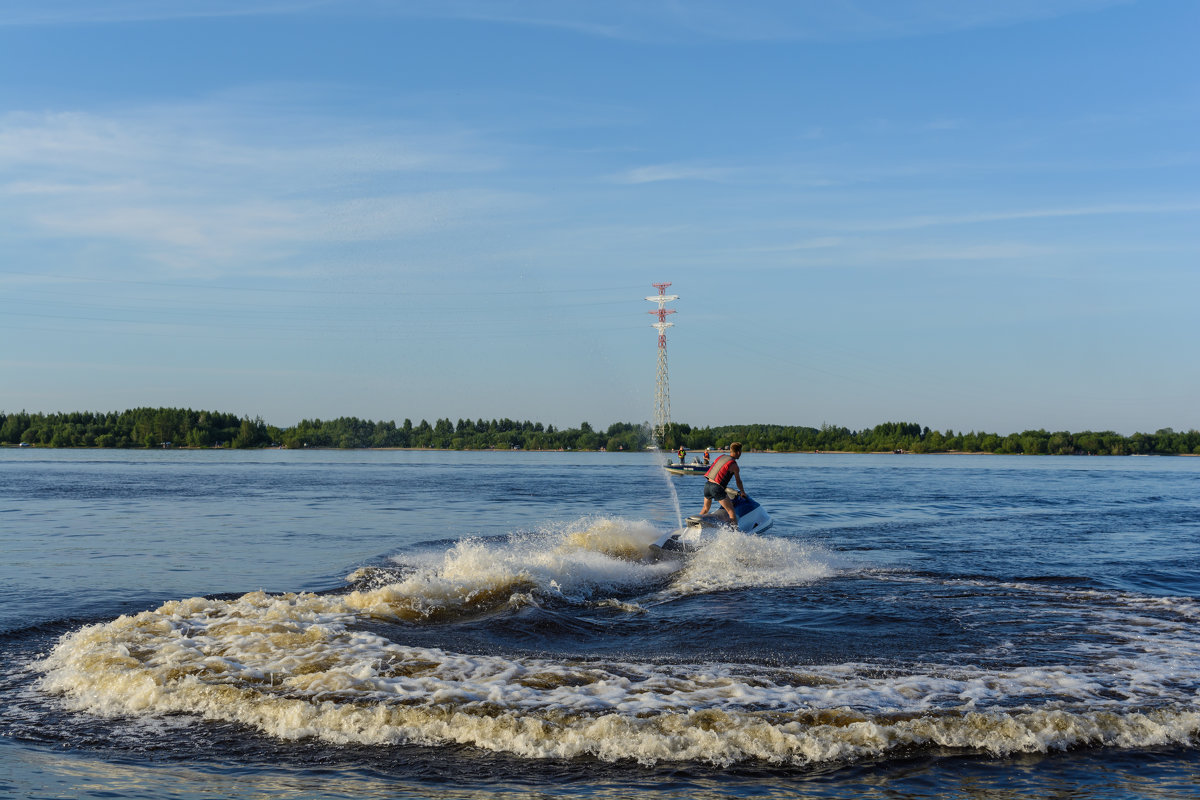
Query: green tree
[{"x": 245, "y": 435}]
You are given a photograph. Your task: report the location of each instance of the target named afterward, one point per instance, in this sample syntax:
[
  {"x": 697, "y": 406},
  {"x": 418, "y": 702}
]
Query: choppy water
[{"x": 418, "y": 624}]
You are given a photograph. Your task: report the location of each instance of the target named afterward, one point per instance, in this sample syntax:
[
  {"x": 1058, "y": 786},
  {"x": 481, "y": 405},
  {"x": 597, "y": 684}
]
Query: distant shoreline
[
  {"x": 149, "y": 428},
  {"x": 7, "y": 446}
]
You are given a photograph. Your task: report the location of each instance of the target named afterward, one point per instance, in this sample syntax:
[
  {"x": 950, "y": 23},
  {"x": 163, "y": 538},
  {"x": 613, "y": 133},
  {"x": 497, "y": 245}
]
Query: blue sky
[{"x": 971, "y": 216}]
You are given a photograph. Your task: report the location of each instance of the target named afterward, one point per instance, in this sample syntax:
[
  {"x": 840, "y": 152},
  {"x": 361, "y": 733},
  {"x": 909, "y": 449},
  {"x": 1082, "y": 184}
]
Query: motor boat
[
  {"x": 751, "y": 518},
  {"x": 695, "y": 468}
]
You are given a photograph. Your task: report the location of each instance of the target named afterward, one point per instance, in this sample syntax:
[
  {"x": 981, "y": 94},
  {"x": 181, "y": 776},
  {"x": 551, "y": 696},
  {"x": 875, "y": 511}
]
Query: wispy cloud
[
  {"x": 206, "y": 187},
  {"x": 657, "y": 173},
  {"x": 74, "y": 12},
  {"x": 947, "y": 220},
  {"x": 637, "y": 20},
  {"x": 816, "y": 243},
  {"x": 984, "y": 251},
  {"x": 225, "y": 135}
]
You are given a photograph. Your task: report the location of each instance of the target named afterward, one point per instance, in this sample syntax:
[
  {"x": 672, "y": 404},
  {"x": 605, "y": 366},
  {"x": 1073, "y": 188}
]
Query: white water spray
[{"x": 661, "y": 458}]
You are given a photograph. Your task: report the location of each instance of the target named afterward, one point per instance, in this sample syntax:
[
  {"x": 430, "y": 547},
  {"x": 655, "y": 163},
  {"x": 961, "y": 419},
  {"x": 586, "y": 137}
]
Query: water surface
[{"x": 367, "y": 624}]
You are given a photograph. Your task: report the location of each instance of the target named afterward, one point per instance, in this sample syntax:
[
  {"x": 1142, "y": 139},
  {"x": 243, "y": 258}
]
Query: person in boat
[
  {"x": 682, "y": 454},
  {"x": 718, "y": 476},
  {"x": 707, "y": 457}
]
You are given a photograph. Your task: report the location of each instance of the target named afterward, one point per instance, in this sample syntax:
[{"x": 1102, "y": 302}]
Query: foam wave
[
  {"x": 294, "y": 666},
  {"x": 734, "y": 560},
  {"x": 590, "y": 561},
  {"x": 586, "y": 562},
  {"x": 300, "y": 665}
]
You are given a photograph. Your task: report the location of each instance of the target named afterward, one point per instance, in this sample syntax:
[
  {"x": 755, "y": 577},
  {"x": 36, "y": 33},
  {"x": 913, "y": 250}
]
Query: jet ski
[{"x": 751, "y": 518}]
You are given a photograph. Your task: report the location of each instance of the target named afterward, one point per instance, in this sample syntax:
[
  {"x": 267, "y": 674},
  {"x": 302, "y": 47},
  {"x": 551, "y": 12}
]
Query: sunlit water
[{"x": 380, "y": 624}]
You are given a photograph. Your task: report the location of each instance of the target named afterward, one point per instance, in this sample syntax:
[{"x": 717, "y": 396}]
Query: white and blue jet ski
[{"x": 751, "y": 518}]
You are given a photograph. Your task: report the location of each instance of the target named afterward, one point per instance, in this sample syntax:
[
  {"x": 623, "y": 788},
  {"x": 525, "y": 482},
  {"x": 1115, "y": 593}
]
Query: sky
[{"x": 970, "y": 216}]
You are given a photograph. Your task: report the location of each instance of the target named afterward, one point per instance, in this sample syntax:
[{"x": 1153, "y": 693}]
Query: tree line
[
  {"x": 910, "y": 437},
  {"x": 174, "y": 427}
]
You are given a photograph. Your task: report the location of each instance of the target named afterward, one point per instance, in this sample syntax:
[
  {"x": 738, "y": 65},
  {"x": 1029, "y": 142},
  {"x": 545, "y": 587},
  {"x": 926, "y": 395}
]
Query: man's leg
[{"x": 728, "y": 506}]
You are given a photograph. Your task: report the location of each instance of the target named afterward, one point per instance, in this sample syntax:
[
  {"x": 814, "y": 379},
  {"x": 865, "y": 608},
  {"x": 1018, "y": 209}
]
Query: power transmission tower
[{"x": 662, "y": 393}]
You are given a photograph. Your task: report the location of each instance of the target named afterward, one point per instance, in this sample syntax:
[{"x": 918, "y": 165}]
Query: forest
[{"x": 174, "y": 427}]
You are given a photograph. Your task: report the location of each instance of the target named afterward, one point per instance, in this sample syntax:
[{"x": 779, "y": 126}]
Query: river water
[{"x": 361, "y": 624}]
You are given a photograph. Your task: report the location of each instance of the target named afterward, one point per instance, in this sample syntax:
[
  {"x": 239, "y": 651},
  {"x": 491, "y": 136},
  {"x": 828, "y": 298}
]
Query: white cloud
[
  {"x": 945, "y": 124},
  {"x": 55, "y": 12},
  {"x": 986, "y": 251},
  {"x": 657, "y": 173},
  {"x": 817, "y": 243},
  {"x": 638, "y": 20},
  {"x": 946, "y": 220},
  {"x": 203, "y": 187},
  {"x": 225, "y": 136}
]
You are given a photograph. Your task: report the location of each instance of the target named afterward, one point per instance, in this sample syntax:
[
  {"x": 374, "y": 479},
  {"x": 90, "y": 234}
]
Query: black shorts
[{"x": 715, "y": 491}]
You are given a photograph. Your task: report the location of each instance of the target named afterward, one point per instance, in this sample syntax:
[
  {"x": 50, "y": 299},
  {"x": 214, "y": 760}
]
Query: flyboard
[{"x": 751, "y": 518}]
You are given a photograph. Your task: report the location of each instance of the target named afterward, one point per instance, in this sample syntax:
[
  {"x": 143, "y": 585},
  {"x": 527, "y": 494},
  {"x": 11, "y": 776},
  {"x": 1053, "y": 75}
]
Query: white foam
[
  {"x": 735, "y": 560},
  {"x": 585, "y": 562},
  {"x": 294, "y": 666},
  {"x": 299, "y": 665}
]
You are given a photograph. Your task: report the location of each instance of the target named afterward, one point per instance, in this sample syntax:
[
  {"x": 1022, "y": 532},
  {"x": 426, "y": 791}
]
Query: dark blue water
[{"x": 418, "y": 624}]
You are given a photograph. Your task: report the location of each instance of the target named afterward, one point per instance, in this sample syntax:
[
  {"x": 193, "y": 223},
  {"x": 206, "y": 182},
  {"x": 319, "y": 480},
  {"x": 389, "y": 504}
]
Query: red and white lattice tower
[{"x": 662, "y": 396}]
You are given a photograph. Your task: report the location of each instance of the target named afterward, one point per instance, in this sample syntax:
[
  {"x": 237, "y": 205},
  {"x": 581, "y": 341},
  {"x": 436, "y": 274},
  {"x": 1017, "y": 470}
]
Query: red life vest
[{"x": 721, "y": 470}]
